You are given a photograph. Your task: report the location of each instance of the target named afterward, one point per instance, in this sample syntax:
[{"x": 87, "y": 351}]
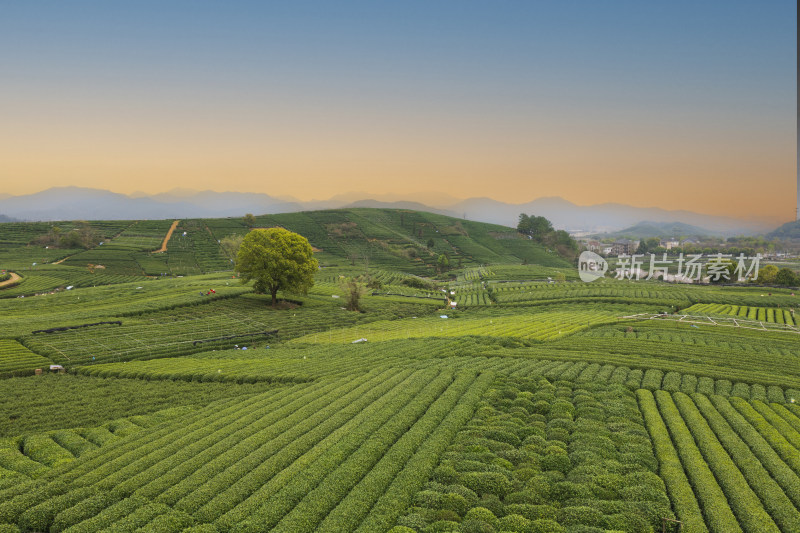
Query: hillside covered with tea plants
[{"x": 536, "y": 403}]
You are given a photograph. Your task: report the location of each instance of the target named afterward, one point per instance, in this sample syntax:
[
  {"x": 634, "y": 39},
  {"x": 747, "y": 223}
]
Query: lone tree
[
  {"x": 353, "y": 292},
  {"x": 276, "y": 259},
  {"x": 442, "y": 263},
  {"x": 231, "y": 244}
]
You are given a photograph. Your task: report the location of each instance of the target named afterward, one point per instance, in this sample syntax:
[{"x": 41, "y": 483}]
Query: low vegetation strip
[
  {"x": 742, "y": 500},
  {"x": 544, "y": 325},
  {"x": 357, "y": 504},
  {"x": 777, "y": 315},
  {"x": 420, "y": 466},
  {"x": 775, "y": 501},
  {"x": 79, "y": 326},
  {"x": 287, "y": 487},
  {"x": 712, "y": 499},
  {"x": 310, "y": 502},
  {"x": 670, "y": 468}
]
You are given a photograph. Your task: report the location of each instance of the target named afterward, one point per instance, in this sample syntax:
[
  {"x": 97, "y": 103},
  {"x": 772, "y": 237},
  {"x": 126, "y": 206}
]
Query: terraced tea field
[{"x": 190, "y": 404}]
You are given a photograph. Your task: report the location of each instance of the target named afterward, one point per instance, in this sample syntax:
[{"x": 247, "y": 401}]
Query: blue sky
[{"x": 513, "y": 100}]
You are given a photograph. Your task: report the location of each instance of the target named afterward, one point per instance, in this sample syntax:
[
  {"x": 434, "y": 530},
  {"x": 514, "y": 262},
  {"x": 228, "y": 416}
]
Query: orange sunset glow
[{"x": 225, "y": 107}]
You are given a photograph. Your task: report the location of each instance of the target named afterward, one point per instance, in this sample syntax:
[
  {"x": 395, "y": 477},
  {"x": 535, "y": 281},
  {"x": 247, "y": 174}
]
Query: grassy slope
[
  {"x": 380, "y": 416},
  {"x": 379, "y": 238}
]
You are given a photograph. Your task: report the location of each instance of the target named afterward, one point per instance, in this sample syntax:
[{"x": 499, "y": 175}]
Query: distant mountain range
[{"x": 76, "y": 203}]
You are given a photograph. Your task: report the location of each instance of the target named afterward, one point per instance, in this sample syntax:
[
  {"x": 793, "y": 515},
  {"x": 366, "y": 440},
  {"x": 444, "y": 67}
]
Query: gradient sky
[{"x": 680, "y": 105}]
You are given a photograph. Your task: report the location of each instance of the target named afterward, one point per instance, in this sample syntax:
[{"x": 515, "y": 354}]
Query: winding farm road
[
  {"x": 10, "y": 281},
  {"x": 166, "y": 239}
]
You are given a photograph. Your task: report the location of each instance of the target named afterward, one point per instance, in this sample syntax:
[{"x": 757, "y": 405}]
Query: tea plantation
[{"x": 189, "y": 403}]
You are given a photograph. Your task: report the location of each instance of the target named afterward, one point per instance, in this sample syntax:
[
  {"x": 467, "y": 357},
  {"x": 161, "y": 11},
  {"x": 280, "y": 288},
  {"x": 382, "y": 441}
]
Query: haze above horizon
[{"x": 682, "y": 105}]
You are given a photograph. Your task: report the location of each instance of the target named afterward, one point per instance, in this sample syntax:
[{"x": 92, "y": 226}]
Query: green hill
[
  {"x": 363, "y": 238},
  {"x": 647, "y": 230},
  {"x": 790, "y": 230},
  {"x": 189, "y": 403}
]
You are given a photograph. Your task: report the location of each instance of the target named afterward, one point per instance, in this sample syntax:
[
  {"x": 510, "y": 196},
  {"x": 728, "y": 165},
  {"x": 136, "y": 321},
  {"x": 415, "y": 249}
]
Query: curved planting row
[
  {"x": 772, "y": 495},
  {"x": 654, "y": 379},
  {"x": 737, "y": 463},
  {"x": 298, "y": 507},
  {"x": 141, "y": 455},
  {"x": 17, "y": 360},
  {"x": 670, "y": 469},
  {"x": 199, "y": 370},
  {"x": 712, "y": 499},
  {"x": 544, "y": 325},
  {"x": 745, "y": 503},
  {"x": 292, "y": 459},
  {"x": 34, "y": 455},
  {"x": 776, "y": 438}
]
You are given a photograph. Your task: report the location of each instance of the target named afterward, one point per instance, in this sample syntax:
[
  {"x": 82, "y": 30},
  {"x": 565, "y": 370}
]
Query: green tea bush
[
  {"x": 652, "y": 379},
  {"x": 742, "y": 390},
  {"x": 532, "y": 512},
  {"x": 709, "y": 495},
  {"x": 481, "y": 514},
  {"x": 546, "y": 526},
  {"x": 705, "y": 385},
  {"x": 746, "y": 504},
  {"x": 486, "y": 483},
  {"x": 775, "y": 501},
  {"x": 688, "y": 384},
  {"x": 723, "y": 387},
  {"x": 580, "y": 515},
  {"x": 634, "y": 379},
  {"x": 513, "y": 522}
]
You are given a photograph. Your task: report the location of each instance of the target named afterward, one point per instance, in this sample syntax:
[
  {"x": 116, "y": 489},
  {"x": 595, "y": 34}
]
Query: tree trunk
[{"x": 274, "y": 292}]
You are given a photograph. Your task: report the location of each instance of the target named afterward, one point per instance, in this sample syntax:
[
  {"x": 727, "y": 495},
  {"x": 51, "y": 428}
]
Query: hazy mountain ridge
[
  {"x": 75, "y": 203},
  {"x": 608, "y": 217}
]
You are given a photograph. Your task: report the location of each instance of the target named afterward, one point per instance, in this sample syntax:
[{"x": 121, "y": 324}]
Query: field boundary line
[
  {"x": 167, "y": 238},
  {"x": 716, "y": 321},
  {"x": 13, "y": 280}
]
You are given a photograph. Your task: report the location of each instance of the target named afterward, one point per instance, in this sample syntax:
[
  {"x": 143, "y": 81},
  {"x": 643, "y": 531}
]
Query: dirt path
[
  {"x": 166, "y": 239},
  {"x": 10, "y": 281}
]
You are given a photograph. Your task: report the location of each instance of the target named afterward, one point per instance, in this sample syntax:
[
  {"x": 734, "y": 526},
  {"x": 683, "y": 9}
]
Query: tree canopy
[
  {"x": 276, "y": 259},
  {"x": 536, "y": 227},
  {"x": 786, "y": 276},
  {"x": 767, "y": 274},
  {"x": 540, "y": 230}
]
